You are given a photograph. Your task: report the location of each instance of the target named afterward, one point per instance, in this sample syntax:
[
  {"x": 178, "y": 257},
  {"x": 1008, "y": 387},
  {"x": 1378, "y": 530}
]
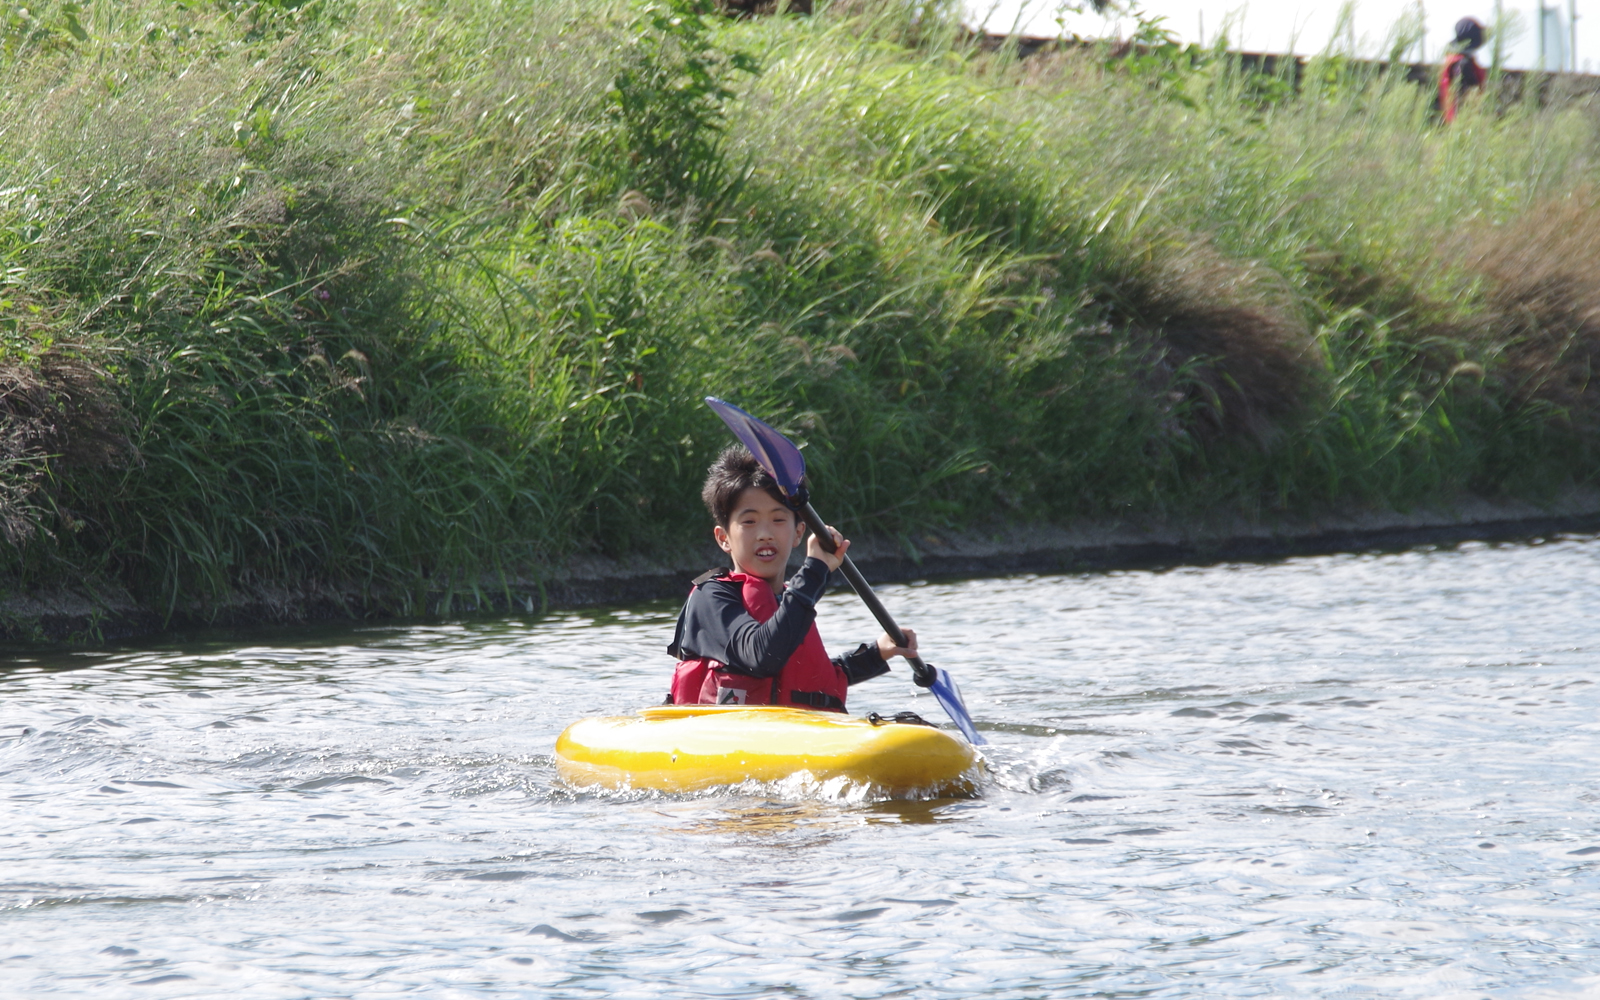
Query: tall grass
[{"x": 409, "y": 296}]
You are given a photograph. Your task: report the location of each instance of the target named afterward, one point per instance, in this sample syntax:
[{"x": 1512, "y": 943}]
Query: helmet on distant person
[{"x": 1469, "y": 33}]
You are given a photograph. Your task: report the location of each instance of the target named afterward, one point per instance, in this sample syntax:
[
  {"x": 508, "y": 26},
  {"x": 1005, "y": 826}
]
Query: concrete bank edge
[{"x": 95, "y": 617}]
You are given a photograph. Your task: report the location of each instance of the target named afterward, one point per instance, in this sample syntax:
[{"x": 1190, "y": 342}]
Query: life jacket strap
[{"x": 817, "y": 699}]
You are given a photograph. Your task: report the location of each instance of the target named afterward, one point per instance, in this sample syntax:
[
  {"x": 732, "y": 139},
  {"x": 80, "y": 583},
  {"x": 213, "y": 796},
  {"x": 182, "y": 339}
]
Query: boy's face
[{"x": 760, "y": 535}]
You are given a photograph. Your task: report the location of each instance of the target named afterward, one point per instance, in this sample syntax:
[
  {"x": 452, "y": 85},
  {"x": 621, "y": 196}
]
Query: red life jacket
[
  {"x": 1460, "y": 71},
  {"x": 808, "y": 680}
]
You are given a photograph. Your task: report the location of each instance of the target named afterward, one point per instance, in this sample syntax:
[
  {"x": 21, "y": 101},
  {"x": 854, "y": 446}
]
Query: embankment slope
[{"x": 349, "y": 307}]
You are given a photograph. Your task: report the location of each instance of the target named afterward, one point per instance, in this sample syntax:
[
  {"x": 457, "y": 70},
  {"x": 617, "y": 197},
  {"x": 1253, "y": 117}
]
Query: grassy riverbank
[{"x": 389, "y": 294}]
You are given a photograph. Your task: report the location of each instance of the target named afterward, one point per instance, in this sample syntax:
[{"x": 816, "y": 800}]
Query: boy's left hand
[{"x": 887, "y": 648}]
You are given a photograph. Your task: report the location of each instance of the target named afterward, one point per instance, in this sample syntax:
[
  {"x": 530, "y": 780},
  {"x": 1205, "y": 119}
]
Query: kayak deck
[{"x": 681, "y": 748}]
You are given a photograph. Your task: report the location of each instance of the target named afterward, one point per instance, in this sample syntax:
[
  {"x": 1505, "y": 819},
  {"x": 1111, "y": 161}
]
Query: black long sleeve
[
  {"x": 715, "y": 625},
  {"x": 862, "y": 663}
]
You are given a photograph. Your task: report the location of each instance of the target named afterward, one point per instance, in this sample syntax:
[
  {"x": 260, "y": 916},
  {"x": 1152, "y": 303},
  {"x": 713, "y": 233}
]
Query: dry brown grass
[
  {"x": 1229, "y": 334},
  {"x": 1538, "y": 325},
  {"x": 56, "y": 409}
]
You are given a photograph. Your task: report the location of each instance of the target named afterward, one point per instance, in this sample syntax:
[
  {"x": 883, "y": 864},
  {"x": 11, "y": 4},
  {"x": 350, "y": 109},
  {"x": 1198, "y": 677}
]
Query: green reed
[{"x": 412, "y": 298}]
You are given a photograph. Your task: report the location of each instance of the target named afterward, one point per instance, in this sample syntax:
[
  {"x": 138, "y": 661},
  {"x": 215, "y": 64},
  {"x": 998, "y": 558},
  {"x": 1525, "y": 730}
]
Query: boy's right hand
[{"x": 834, "y": 559}]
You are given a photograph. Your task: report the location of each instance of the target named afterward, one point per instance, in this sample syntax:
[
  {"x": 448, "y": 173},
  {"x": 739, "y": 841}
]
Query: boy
[{"x": 743, "y": 637}]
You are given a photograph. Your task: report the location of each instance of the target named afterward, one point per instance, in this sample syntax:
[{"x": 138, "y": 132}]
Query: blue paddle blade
[
  {"x": 776, "y": 453},
  {"x": 944, "y": 688}
]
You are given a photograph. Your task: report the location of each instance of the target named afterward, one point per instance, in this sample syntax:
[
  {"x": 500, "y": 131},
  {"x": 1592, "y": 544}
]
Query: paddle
[{"x": 784, "y": 463}]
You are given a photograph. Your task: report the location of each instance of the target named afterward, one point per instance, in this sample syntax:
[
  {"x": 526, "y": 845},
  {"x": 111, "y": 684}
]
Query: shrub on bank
[{"x": 405, "y": 295}]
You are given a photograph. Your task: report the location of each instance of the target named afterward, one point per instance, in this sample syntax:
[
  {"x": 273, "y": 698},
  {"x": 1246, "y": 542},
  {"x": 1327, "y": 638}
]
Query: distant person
[
  {"x": 746, "y": 638},
  {"x": 1461, "y": 71}
]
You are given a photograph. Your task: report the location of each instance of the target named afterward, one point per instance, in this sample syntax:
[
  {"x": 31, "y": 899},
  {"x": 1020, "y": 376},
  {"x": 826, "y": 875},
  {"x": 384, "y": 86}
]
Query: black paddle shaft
[{"x": 921, "y": 673}]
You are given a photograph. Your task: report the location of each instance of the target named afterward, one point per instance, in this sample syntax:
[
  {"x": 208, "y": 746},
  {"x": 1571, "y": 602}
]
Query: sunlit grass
[{"x": 398, "y": 296}]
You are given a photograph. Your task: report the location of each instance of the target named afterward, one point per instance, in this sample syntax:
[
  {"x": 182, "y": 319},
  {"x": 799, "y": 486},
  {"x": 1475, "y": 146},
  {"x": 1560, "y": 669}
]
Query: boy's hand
[
  {"x": 887, "y": 648},
  {"x": 834, "y": 559}
]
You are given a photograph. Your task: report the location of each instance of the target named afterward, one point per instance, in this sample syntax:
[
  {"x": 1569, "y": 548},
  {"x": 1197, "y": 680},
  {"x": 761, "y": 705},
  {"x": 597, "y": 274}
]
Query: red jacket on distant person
[{"x": 1460, "y": 70}]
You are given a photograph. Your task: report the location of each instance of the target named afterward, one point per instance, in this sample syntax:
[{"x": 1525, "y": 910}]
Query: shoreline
[{"x": 91, "y": 617}]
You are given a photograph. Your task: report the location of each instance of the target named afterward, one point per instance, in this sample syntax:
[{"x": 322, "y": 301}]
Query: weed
[{"x": 404, "y": 297}]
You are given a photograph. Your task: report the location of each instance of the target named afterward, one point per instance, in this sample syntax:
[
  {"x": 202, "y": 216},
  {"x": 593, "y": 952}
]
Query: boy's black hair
[{"x": 734, "y": 471}]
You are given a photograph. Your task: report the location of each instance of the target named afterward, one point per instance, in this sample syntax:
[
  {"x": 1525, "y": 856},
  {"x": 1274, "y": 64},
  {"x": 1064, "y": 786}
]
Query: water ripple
[{"x": 1358, "y": 775}]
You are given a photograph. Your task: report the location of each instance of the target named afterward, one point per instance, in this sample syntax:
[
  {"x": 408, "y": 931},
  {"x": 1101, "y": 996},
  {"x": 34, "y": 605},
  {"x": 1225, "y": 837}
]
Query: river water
[{"x": 1351, "y": 776}]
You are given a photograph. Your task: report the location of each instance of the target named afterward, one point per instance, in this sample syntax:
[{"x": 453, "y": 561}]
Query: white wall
[{"x": 1306, "y": 27}]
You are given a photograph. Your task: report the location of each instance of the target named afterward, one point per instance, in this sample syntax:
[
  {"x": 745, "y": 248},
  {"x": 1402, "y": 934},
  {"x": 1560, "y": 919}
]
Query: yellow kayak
[{"x": 681, "y": 748}]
